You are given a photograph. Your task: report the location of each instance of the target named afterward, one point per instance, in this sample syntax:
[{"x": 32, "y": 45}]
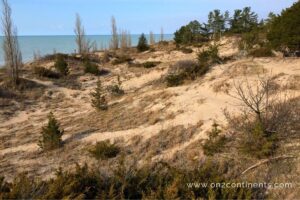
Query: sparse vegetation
[
  {"x": 51, "y": 134},
  {"x": 104, "y": 150},
  {"x": 261, "y": 52}
]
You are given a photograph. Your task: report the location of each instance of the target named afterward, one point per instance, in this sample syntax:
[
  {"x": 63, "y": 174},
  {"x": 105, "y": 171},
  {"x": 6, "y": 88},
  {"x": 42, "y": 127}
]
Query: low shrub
[
  {"x": 104, "y": 150},
  {"x": 262, "y": 52},
  {"x": 209, "y": 56},
  {"x": 123, "y": 58},
  {"x": 174, "y": 80},
  {"x": 51, "y": 134},
  {"x": 44, "y": 72},
  {"x": 61, "y": 65},
  {"x": 215, "y": 143},
  {"x": 156, "y": 181},
  {"x": 186, "y": 50},
  {"x": 91, "y": 68},
  {"x": 150, "y": 64}
]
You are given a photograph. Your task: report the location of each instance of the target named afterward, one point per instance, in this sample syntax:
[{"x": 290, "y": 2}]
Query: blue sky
[{"x": 56, "y": 17}]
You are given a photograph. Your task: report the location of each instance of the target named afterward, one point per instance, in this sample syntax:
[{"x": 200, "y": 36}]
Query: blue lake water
[{"x": 63, "y": 44}]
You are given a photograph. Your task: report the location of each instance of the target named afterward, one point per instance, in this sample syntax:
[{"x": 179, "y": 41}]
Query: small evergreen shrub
[
  {"x": 91, "y": 68},
  {"x": 116, "y": 89},
  {"x": 104, "y": 150},
  {"x": 61, "y": 65},
  {"x": 98, "y": 99},
  {"x": 142, "y": 44},
  {"x": 150, "y": 64},
  {"x": 257, "y": 143},
  {"x": 44, "y": 72},
  {"x": 51, "y": 134},
  {"x": 215, "y": 143}
]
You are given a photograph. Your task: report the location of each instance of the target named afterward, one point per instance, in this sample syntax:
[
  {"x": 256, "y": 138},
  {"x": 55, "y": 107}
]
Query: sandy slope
[{"x": 147, "y": 109}]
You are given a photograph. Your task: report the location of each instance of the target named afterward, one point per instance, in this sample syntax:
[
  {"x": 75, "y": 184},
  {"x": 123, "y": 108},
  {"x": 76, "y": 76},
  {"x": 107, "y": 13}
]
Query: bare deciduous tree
[
  {"x": 12, "y": 53},
  {"x": 82, "y": 44},
  {"x": 277, "y": 111},
  {"x": 124, "y": 41},
  {"x": 162, "y": 34},
  {"x": 152, "y": 39},
  {"x": 115, "y": 38},
  {"x": 128, "y": 39}
]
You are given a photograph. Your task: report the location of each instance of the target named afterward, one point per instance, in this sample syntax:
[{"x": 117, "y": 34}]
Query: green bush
[
  {"x": 142, "y": 44},
  {"x": 98, "y": 99},
  {"x": 61, "y": 65},
  {"x": 104, "y": 150},
  {"x": 261, "y": 52},
  {"x": 91, "y": 68},
  {"x": 51, "y": 134},
  {"x": 44, "y": 72},
  {"x": 150, "y": 64},
  {"x": 209, "y": 56},
  {"x": 174, "y": 80},
  {"x": 215, "y": 143}
]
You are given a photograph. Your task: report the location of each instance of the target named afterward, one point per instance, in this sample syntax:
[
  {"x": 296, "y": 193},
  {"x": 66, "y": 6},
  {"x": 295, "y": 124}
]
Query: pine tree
[
  {"x": 98, "y": 99},
  {"x": 51, "y": 134},
  {"x": 284, "y": 31},
  {"x": 143, "y": 44}
]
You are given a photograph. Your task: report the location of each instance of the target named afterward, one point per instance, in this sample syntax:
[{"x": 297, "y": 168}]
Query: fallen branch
[{"x": 262, "y": 162}]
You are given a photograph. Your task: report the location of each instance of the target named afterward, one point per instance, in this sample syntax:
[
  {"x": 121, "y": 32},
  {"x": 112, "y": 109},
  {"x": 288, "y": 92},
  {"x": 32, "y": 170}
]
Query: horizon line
[{"x": 86, "y": 35}]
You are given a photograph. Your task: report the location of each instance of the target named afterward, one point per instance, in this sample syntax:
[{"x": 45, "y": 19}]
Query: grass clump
[
  {"x": 61, "y": 65},
  {"x": 215, "y": 143},
  {"x": 104, "y": 150},
  {"x": 98, "y": 98},
  {"x": 51, "y": 134},
  {"x": 44, "y": 72},
  {"x": 90, "y": 67}
]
